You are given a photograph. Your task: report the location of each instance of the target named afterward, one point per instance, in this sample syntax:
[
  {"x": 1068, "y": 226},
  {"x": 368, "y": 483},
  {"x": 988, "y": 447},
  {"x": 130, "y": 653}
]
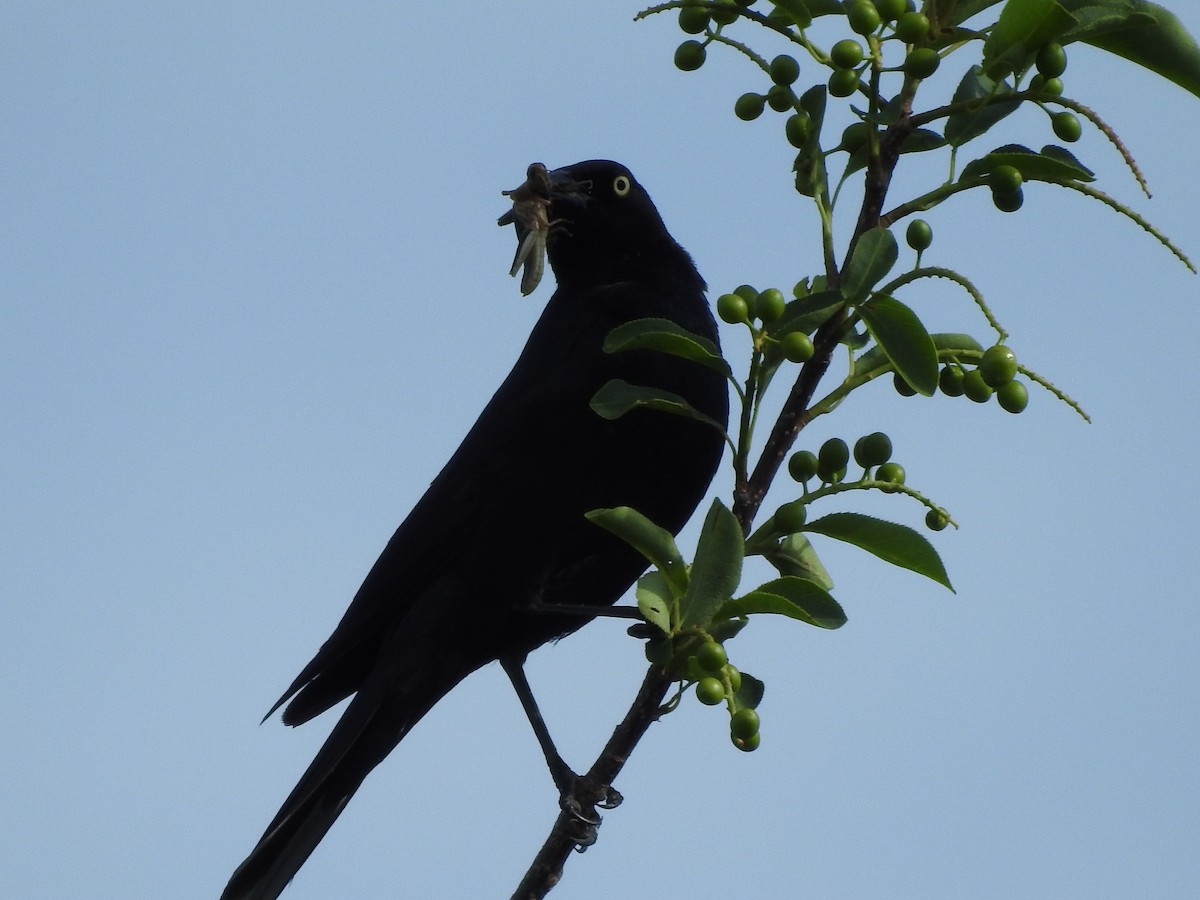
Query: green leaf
[
  {"x": 875, "y": 358},
  {"x": 718, "y": 567},
  {"x": 1054, "y": 164},
  {"x": 666, "y": 336},
  {"x": 975, "y": 86},
  {"x": 896, "y": 544},
  {"x": 950, "y": 341},
  {"x": 654, "y": 598},
  {"x": 964, "y": 9},
  {"x": 909, "y": 348},
  {"x": 794, "y": 555},
  {"x": 727, "y": 629},
  {"x": 874, "y": 255},
  {"x": 917, "y": 141},
  {"x": 750, "y": 694},
  {"x": 1143, "y": 33},
  {"x": 1023, "y": 28},
  {"x": 810, "y": 161},
  {"x": 652, "y": 541},
  {"x": 1068, "y": 159},
  {"x": 796, "y": 598},
  {"x": 618, "y": 397}
]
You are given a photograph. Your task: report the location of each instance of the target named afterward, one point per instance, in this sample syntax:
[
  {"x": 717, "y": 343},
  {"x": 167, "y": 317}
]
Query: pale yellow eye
[{"x": 622, "y": 185}]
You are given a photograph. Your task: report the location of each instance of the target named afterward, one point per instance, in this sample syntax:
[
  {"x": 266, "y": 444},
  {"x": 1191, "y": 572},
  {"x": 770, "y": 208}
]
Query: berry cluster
[
  {"x": 718, "y": 682},
  {"x": 995, "y": 375},
  {"x": 746, "y": 305},
  {"x": 872, "y": 451},
  {"x": 877, "y": 21}
]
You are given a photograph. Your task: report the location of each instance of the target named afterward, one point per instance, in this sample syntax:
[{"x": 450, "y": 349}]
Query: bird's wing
[{"x": 503, "y": 458}]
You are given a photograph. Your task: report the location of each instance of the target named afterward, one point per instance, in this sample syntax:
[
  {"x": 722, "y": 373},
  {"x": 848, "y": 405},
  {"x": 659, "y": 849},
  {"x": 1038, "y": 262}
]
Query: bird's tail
[
  {"x": 284, "y": 847},
  {"x": 370, "y": 728}
]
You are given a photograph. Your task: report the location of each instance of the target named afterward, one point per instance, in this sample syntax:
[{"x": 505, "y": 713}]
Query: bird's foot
[
  {"x": 579, "y": 800},
  {"x": 612, "y": 798}
]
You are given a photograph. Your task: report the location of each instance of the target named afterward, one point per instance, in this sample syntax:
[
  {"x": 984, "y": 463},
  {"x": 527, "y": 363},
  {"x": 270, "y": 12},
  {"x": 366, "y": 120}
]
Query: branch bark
[{"x": 546, "y": 869}]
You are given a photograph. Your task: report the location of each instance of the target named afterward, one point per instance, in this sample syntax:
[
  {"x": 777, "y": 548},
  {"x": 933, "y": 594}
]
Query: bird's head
[{"x": 587, "y": 216}]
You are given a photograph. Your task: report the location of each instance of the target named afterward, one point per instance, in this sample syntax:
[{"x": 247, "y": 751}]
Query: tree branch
[{"x": 546, "y": 869}]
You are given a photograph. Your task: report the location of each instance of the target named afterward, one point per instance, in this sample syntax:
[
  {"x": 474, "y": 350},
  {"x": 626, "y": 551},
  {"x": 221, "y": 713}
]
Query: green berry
[
  {"x": 846, "y": 54},
  {"x": 998, "y": 366},
  {"x": 1052, "y": 60},
  {"x": 750, "y": 295},
  {"x": 1013, "y": 397},
  {"x": 912, "y": 27},
  {"x": 770, "y": 304},
  {"x": 873, "y": 450},
  {"x": 802, "y": 465},
  {"x": 863, "y": 16},
  {"x": 891, "y": 10},
  {"x": 747, "y": 292},
  {"x": 689, "y": 56},
  {"x": 975, "y": 387},
  {"x": 903, "y": 388},
  {"x": 693, "y": 19},
  {"x": 749, "y": 106},
  {"x": 780, "y": 98},
  {"x": 744, "y": 724},
  {"x": 1009, "y": 202},
  {"x": 797, "y": 129},
  {"x": 950, "y": 380},
  {"x": 1050, "y": 87},
  {"x": 797, "y": 347},
  {"x": 732, "y": 309},
  {"x": 832, "y": 458},
  {"x": 1005, "y": 179},
  {"x": 1066, "y": 126},
  {"x": 724, "y": 12},
  {"x": 922, "y": 62},
  {"x": 891, "y": 472},
  {"x": 710, "y": 691},
  {"x": 784, "y": 69},
  {"x": 843, "y": 82},
  {"x": 790, "y": 517},
  {"x": 711, "y": 656},
  {"x": 919, "y": 235},
  {"x": 856, "y": 136},
  {"x": 935, "y": 520},
  {"x": 747, "y": 745}
]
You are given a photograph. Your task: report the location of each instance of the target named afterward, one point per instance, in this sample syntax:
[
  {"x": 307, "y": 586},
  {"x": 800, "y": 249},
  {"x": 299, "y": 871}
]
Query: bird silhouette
[{"x": 497, "y": 558}]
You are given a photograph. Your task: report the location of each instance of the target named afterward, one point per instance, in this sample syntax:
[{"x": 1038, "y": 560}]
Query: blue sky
[{"x": 252, "y": 295}]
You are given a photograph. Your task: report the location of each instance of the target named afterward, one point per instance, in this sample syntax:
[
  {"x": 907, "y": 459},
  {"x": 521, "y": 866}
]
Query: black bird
[{"x": 500, "y": 535}]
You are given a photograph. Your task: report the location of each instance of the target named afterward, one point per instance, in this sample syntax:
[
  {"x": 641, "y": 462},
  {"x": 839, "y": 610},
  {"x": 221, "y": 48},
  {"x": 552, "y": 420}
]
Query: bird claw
[
  {"x": 579, "y": 802},
  {"x": 612, "y": 798},
  {"x": 583, "y": 835},
  {"x": 578, "y": 812}
]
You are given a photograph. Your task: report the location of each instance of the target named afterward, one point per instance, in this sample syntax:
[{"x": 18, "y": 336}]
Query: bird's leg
[{"x": 577, "y": 795}]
